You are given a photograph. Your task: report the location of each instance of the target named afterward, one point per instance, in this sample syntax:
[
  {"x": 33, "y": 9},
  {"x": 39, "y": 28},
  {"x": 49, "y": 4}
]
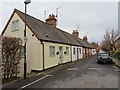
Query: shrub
[
  {"x": 117, "y": 54},
  {"x": 11, "y": 56},
  {"x": 111, "y": 53}
]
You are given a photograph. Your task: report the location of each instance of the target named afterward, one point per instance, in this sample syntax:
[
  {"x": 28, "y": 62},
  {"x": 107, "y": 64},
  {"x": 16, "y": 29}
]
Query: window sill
[
  {"x": 15, "y": 30},
  {"x": 52, "y": 56}
]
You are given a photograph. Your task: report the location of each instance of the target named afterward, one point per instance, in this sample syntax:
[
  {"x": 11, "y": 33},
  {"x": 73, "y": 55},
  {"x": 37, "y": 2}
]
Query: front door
[
  {"x": 77, "y": 53},
  {"x": 60, "y": 55}
]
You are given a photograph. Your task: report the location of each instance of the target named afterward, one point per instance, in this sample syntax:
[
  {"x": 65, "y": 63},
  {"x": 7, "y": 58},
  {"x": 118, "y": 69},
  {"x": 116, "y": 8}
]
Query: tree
[
  {"x": 109, "y": 38},
  {"x": 105, "y": 46}
]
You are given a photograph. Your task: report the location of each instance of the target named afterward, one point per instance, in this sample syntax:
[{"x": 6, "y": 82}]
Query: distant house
[
  {"x": 117, "y": 43},
  {"x": 47, "y": 45},
  {"x": 87, "y": 48},
  {"x": 96, "y": 46}
]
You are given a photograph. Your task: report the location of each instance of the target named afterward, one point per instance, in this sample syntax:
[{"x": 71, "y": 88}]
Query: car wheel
[{"x": 98, "y": 62}]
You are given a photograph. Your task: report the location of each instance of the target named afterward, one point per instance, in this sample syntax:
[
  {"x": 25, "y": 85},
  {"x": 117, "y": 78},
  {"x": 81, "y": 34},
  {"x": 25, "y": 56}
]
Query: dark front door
[{"x": 60, "y": 55}]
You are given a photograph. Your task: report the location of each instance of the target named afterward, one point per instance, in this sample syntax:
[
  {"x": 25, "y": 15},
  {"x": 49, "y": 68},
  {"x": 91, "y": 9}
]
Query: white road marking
[
  {"x": 72, "y": 69},
  {"x": 117, "y": 70},
  {"x": 95, "y": 68},
  {"x": 49, "y": 75},
  {"x": 34, "y": 81}
]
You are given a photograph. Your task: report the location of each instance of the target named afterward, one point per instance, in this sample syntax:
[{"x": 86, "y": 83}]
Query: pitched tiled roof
[
  {"x": 84, "y": 43},
  {"x": 45, "y": 32}
]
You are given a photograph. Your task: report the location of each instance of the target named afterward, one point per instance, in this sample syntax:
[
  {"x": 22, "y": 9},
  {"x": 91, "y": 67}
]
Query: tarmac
[{"x": 35, "y": 74}]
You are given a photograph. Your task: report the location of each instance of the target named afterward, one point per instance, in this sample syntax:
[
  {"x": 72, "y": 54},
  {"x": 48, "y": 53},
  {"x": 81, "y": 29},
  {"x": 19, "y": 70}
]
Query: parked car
[{"x": 103, "y": 57}]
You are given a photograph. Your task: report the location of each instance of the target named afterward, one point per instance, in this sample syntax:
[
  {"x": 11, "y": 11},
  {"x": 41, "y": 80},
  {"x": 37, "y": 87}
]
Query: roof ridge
[{"x": 68, "y": 33}]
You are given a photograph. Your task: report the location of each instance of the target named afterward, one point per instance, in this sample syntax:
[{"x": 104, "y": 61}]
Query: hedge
[{"x": 117, "y": 54}]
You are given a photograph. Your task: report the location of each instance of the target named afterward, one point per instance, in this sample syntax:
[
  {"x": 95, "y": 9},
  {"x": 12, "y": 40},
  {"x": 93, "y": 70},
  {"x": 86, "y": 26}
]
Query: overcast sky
[{"x": 93, "y": 17}]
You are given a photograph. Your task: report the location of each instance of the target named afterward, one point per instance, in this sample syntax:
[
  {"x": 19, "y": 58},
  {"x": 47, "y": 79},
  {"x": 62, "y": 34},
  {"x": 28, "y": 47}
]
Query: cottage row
[{"x": 47, "y": 46}]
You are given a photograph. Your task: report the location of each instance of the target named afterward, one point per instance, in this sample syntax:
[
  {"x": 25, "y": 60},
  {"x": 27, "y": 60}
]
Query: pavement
[
  {"x": 84, "y": 73},
  {"x": 116, "y": 61}
]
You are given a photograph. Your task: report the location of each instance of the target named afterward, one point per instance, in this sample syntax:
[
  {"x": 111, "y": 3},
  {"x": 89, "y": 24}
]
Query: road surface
[{"x": 84, "y": 73}]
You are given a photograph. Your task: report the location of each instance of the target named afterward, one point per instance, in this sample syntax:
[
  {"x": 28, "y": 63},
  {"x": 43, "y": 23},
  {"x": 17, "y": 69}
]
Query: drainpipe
[
  {"x": 71, "y": 52},
  {"x": 43, "y": 56}
]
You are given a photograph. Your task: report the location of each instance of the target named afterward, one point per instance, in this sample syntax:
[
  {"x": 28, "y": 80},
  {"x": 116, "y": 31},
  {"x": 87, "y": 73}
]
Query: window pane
[
  {"x": 15, "y": 25},
  {"x": 52, "y": 50}
]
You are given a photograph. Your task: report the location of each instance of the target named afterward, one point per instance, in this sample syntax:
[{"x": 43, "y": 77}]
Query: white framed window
[
  {"x": 67, "y": 50},
  {"x": 52, "y": 50},
  {"x": 15, "y": 25},
  {"x": 73, "y": 50}
]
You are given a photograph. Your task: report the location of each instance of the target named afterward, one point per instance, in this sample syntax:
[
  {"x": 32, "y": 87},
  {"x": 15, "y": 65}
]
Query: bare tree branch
[{"x": 109, "y": 38}]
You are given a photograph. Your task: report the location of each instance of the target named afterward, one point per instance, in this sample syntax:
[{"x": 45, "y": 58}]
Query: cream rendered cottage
[{"x": 47, "y": 46}]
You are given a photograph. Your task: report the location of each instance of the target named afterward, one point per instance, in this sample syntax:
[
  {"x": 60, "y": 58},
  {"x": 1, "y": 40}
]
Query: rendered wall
[
  {"x": 51, "y": 61},
  {"x": 34, "y": 47},
  {"x": 77, "y": 54}
]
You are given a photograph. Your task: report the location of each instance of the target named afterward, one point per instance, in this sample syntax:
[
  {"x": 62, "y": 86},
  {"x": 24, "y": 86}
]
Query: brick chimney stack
[
  {"x": 85, "y": 38},
  {"x": 51, "y": 20},
  {"x": 75, "y": 33}
]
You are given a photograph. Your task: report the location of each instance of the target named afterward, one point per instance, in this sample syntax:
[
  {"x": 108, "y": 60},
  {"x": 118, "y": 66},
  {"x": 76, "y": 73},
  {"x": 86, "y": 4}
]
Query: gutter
[{"x": 43, "y": 56}]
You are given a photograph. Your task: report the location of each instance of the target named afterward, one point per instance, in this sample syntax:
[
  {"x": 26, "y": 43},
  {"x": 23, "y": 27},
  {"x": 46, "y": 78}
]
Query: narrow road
[{"x": 84, "y": 73}]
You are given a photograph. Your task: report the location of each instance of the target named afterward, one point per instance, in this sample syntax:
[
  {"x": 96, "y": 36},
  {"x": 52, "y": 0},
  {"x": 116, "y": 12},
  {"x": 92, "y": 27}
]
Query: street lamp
[{"x": 25, "y": 65}]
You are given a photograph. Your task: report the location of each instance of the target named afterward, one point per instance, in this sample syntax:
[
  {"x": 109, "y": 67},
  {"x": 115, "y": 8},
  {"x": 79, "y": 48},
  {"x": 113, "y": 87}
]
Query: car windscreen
[{"x": 104, "y": 54}]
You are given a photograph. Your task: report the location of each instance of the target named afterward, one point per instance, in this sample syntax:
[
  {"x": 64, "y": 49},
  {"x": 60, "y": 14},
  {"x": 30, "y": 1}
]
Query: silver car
[{"x": 104, "y": 58}]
